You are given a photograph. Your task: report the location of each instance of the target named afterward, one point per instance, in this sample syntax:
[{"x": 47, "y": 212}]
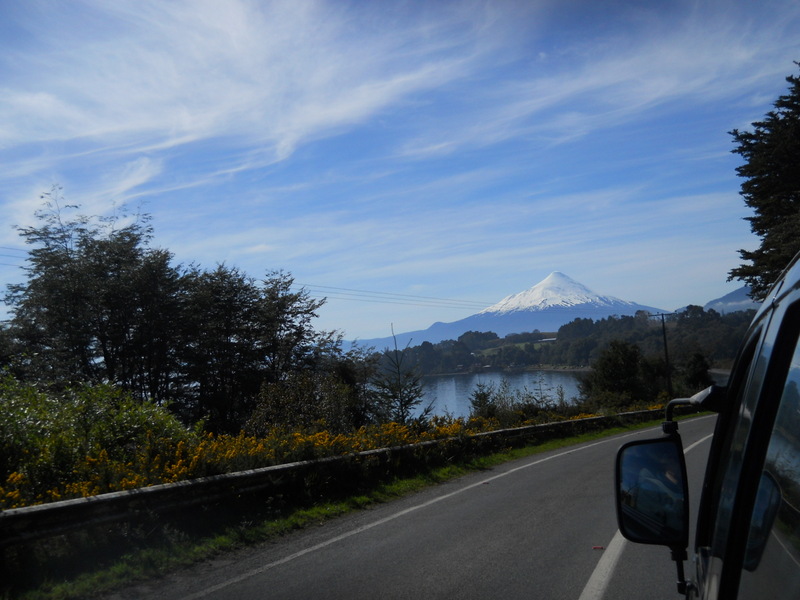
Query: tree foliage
[
  {"x": 712, "y": 335},
  {"x": 102, "y": 306},
  {"x": 513, "y": 407},
  {"x": 95, "y": 303},
  {"x": 772, "y": 189},
  {"x": 398, "y": 387},
  {"x": 334, "y": 396},
  {"x": 622, "y": 376}
]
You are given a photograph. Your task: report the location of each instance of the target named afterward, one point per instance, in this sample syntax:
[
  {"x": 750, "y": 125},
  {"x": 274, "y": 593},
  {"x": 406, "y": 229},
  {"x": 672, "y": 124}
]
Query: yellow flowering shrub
[
  {"x": 96, "y": 440},
  {"x": 155, "y": 459}
]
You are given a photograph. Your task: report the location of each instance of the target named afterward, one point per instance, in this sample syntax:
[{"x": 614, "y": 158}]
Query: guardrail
[{"x": 30, "y": 523}]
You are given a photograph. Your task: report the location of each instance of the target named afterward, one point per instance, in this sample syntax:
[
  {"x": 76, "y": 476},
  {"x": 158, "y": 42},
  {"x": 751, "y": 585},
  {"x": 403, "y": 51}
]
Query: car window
[
  {"x": 742, "y": 457},
  {"x": 772, "y": 558},
  {"x": 732, "y": 455},
  {"x": 719, "y": 455}
]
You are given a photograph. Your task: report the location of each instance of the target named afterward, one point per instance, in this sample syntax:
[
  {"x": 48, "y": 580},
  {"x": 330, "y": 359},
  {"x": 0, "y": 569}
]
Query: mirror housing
[
  {"x": 712, "y": 398},
  {"x": 652, "y": 492}
]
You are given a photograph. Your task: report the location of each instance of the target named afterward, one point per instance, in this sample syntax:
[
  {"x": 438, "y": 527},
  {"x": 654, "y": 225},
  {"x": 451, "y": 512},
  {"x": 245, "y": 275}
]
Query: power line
[
  {"x": 379, "y": 301},
  {"x": 340, "y": 293},
  {"x": 353, "y": 295},
  {"x": 390, "y": 294},
  {"x": 23, "y": 255}
]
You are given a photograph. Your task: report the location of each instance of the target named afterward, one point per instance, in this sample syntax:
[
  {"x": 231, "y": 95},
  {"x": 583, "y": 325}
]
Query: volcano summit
[{"x": 551, "y": 303}]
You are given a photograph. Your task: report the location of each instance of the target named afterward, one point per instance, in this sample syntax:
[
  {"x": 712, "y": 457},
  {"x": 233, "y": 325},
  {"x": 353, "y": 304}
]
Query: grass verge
[{"x": 148, "y": 554}]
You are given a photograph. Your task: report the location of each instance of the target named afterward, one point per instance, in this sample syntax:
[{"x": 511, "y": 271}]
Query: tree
[
  {"x": 617, "y": 371},
  {"x": 477, "y": 340},
  {"x": 50, "y": 317},
  {"x": 96, "y": 303},
  {"x": 772, "y": 189},
  {"x": 398, "y": 388},
  {"x": 621, "y": 376},
  {"x": 331, "y": 395},
  {"x": 222, "y": 361},
  {"x": 695, "y": 373},
  {"x": 238, "y": 335},
  {"x": 288, "y": 339},
  {"x": 101, "y": 306},
  {"x": 428, "y": 359}
]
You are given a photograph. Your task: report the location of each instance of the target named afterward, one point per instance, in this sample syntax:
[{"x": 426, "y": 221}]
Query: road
[{"x": 540, "y": 527}]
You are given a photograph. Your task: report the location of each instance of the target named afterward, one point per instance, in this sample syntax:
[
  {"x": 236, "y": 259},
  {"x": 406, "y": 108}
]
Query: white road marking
[
  {"x": 595, "y": 588},
  {"x": 788, "y": 552},
  {"x": 598, "y": 582},
  {"x": 244, "y": 576},
  {"x": 697, "y": 443}
]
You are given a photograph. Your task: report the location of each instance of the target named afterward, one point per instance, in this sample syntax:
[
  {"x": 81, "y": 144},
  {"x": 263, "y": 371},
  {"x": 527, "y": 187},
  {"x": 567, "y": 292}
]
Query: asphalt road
[{"x": 542, "y": 527}]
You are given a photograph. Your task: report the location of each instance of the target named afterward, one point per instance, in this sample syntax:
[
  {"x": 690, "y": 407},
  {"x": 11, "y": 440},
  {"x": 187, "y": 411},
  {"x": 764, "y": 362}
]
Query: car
[{"x": 747, "y": 530}]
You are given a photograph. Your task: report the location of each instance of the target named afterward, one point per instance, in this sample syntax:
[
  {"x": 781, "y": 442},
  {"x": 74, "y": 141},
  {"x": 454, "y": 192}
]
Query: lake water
[{"x": 450, "y": 393}]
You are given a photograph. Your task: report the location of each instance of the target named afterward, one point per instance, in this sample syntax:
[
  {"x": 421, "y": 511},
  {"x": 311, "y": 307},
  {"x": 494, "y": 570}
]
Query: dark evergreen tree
[
  {"x": 772, "y": 189},
  {"x": 96, "y": 303},
  {"x": 477, "y": 340},
  {"x": 333, "y": 395},
  {"x": 398, "y": 388},
  {"x": 101, "y": 306},
  {"x": 695, "y": 373},
  {"x": 287, "y": 337},
  {"x": 616, "y": 376},
  {"x": 221, "y": 358}
]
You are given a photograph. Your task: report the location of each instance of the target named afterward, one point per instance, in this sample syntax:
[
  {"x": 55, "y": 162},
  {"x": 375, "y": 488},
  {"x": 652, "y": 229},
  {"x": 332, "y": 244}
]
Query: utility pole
[{"x": 666, "y": 351}]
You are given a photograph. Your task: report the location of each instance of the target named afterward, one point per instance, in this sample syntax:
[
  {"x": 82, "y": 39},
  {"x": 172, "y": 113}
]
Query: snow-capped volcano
[
  {"x": 558, "y": 290},
  {"x": 548, "y": 305}
]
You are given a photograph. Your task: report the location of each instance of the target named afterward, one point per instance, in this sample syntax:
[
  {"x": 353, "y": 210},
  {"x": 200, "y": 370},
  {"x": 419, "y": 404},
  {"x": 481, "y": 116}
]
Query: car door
[
  {"x": 747, "y": 491},
  {"x": 770, "y": 566}
]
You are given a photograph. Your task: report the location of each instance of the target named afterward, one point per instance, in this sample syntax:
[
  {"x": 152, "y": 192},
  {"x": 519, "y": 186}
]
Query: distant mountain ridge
[
  {"x": 551, "y": 303},
  {"x": 735, "y": 301}
]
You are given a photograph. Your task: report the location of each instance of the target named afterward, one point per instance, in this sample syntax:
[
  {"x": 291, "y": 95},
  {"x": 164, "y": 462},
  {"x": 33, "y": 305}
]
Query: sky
[{"x": 410, "y": 161}]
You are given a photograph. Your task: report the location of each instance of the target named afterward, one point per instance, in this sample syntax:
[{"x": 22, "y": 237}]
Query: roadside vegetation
[
  {"x": 92, "y": 440},
  {"x": 92, "y": 563}
]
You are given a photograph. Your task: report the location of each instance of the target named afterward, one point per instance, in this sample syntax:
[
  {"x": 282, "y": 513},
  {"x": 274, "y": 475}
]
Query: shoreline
[{"x": 516, "y": 370}]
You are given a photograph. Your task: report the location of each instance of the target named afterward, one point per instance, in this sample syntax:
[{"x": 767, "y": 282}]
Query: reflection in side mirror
[{"x": 652, "y": 498}]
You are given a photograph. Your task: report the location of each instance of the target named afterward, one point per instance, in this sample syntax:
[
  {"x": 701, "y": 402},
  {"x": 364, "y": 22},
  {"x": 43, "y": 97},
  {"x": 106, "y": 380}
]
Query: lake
[{"x": 450, "y": 393}]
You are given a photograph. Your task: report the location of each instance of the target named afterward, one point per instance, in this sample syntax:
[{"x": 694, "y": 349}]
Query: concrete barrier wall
[{"x": 36, "y": 522}]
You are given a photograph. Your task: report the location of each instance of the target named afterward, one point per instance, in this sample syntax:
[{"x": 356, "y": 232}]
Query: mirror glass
[{"x": 652, "y": 503}]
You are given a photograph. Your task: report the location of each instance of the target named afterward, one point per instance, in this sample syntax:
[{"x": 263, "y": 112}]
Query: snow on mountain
[
  {"x": 551, "y": 303},
  {"x": 556, "y": 290},
  {"x": 733, "y": 302}
]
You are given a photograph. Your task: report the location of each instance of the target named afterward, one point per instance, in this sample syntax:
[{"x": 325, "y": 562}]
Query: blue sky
[{"x": 412, "y": 150}]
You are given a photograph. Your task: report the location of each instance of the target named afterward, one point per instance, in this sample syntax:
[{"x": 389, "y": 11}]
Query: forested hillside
[{"x": 689, "y": 333}]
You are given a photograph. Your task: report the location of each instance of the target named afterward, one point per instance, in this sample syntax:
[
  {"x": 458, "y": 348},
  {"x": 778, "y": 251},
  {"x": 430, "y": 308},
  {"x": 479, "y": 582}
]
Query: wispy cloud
[
  {"x": 169, "y": 74},
  {"x": 696, "y": 58},
  {"x": 454, "y": 147}
]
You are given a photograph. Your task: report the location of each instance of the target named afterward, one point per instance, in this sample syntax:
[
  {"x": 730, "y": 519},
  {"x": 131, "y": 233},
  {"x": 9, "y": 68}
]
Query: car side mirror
[{"x": 651, "y": 492}]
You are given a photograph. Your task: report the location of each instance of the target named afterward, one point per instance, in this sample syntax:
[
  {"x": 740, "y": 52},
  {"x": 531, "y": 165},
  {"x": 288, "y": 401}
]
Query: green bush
[{"x": 45, "y": 439}]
